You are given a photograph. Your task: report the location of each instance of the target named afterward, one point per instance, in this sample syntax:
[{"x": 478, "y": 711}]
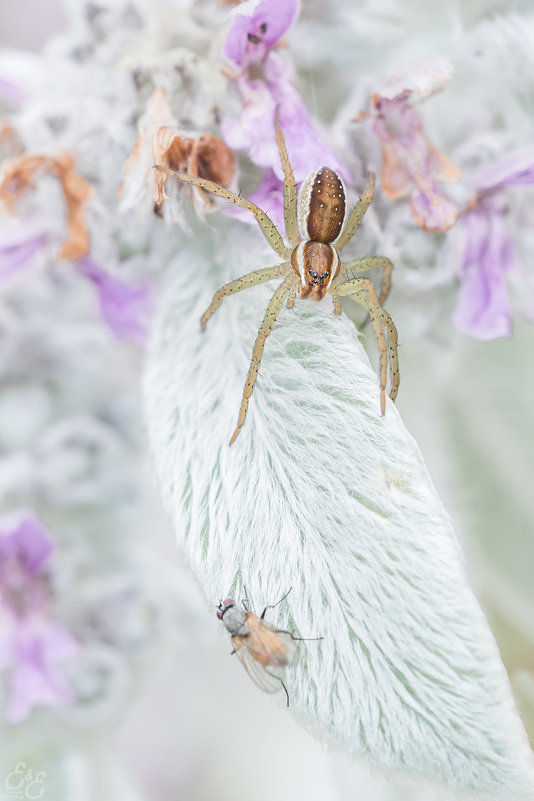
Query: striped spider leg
[{"x": 317, "y": 227}]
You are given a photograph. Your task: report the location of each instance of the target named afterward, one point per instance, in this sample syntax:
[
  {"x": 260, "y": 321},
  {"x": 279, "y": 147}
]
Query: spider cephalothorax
[
  {"x": 311, "y": 265},
  {"x": 316, "y": 264}
]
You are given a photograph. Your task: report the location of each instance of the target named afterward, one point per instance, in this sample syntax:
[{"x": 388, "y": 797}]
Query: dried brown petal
[
  {"x": 132, "y": 158},
  {"x": 205, "y": 156},
  {"x": 216, "y": 160},
  {"x": 170, "y": 150},
  {"x": 19, "y": 174},
  {"x": 10, "y": 141}
]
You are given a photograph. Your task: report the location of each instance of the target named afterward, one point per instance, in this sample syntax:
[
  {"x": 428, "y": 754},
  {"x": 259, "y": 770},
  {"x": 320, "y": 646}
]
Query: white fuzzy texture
[
  {"x": 422, "y": 77},
  {"x": 323, "y": 494}
]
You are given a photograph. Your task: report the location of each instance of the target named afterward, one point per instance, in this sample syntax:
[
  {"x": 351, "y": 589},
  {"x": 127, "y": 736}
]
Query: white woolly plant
[
  {"x": 320, "y": 493},
  {"x": 323, "y": 494}
]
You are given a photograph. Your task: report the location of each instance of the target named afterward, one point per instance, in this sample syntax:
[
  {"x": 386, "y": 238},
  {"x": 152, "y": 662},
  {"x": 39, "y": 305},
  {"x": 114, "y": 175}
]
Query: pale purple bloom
[
  {"x": 258, "y": 28},
  {"x": 411, "y": 165},
  {"x": 248, "y": 43},
  {"x": 268, "y": 196},
  {"x": 305, "y": 148},
  {"x": 254, "y": 134},
  {"x": 483, "y": 308},
  {"x": 489, "y": 255},
  {"x": 10, "y": 91},
  {"x": 515, "y": 169},
  {"x": 124, "y": 306},
  {"x": 18, "y": 245},
  {"x": 32, "y": 645},
  {"x": 29, "y": 545}
]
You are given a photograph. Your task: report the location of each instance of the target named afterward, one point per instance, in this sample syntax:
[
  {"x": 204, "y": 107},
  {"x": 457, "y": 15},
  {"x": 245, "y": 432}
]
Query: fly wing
[
  {"x": 270, "y": 646},
  {"x": 261, "y": 677}
]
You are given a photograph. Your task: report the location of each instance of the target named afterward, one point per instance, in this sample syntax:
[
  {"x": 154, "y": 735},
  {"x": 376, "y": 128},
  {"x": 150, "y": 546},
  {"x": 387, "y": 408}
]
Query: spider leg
[
  {"x": 336, "y": 301},
  {"x": 392, "y": 344},
  {"x": 357, "y": 214},
  {"x": 371, "y": 263},
  {"x": 362, "y": 288},
  {"x": 291, "y": 298},
  {"x": 269, "y": 229},
  {"x": 245, "y": 282},
  {"x": 272, "y": 312},
  {"x": 290, "y": 193}
]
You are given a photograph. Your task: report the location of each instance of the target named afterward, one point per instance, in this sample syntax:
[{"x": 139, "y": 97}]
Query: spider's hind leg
[
  {"x": 363, "y": 292},
  {"x": 357, "y": 214}
]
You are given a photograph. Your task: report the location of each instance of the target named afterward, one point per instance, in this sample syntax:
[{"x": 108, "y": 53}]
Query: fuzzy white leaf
[
  {"x": 422, "y": 77},
  {"x": 323, "y": 494}
]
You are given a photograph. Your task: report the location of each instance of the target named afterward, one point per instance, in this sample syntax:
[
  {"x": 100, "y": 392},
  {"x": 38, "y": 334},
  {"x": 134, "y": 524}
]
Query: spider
[{"x": 311, "y": 262}]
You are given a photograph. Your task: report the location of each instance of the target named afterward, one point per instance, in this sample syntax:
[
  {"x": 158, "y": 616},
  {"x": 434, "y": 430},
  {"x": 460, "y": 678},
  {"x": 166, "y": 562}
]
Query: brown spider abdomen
[
  {"x": 321, "y": 206},
  {"x": 316, "y": 264}
]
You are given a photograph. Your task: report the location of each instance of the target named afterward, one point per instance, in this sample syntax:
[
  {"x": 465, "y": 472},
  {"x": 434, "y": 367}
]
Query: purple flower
[
  {"x": 268, "y": 197},
  {"x": 515, "y": 169},
  {"x": 254, "y": 134},
  {"x": 250, "y": 42},
  {"x": 411, "y": 165},
  {"x": 257, "y": 29},
  {"x": 488, "y": 253},
  {"x": 27, "y": 546},
  {"x": 10, "y": 91},
  {"x": 32, "y": 645},
  {"x": 18, "y": 245},
  {"x": 124, "y": 306}
]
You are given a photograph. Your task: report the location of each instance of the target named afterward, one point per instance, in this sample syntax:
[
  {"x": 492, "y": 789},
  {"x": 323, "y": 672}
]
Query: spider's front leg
[
  {"x": 290, "y": 194},
  {"x": 372, "y": 263},
  {"x": 245, "y": 282},
  {"x": 272, "y": 312},
  {"x": 363, "y": 292},
  {"x": 269, "y": 229},
  {"x": 291, "y": 297}
]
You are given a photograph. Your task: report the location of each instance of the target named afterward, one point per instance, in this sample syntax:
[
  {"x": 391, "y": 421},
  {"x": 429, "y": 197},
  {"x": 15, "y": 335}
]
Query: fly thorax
[
  {"x": 235, "y": 619},
  {"x": 316, "y": 264}
]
